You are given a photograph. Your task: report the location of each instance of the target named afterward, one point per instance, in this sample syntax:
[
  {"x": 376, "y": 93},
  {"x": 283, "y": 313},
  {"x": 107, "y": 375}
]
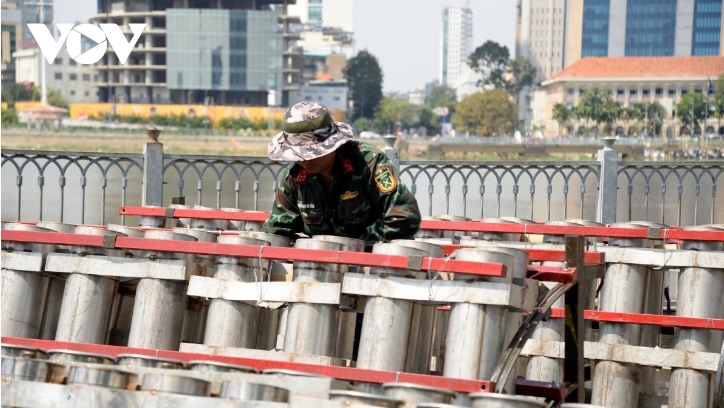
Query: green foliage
[
  {"x": 364, "y": 79},
  {"x": 442, "y": 95},
  {"x": 362, "y": 124},
  {"x": 598, "y": 106},
  {"x": 9, "y": 117},
  {"x": 487, "y": 113},
  {"x": 392, "y": 110},
  {"x": 428, "y": 119},
  {"x": 691, "y": 102},
  {"x": 179, "y": 120},
  {"x": 718, "y": 105},
  {"x": 18, "y": 92},
  {"x": 563, "y": 114},
  {"x": 491, "y": 60},
  {"x": 523, "y": 74}
]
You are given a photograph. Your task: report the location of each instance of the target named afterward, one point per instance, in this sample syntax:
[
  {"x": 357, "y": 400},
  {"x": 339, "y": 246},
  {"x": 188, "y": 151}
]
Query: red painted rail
[
  {"x": 647, "y": 319},
  {"x": 463, "y": 226},
  {"x": 340, "y": 373},
  {"x": 543, "y": 255},
  {"x": 267, "y": 252}
]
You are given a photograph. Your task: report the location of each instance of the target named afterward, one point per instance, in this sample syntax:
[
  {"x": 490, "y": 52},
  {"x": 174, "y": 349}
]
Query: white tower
[{"x": 456, "y": 45}]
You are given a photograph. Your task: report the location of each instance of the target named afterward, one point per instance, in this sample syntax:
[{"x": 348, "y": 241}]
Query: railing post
[
  {"x": 392, "y": 153},
  {"x": 152, "y": 169},
  {"x": 608, "y": 182}
]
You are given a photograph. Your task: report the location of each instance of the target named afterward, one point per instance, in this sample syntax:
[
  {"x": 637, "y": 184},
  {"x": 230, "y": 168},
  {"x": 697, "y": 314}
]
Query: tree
[
  {"x": 362, "y": 124},
  {"x": 442, "y": 95},
  {"x": 364, "y": 78},
  {"x": 428, "y": 119},
  {"x": 692, "y": 101},
  {"x": 487, "y": 113},
  {"x": 18, "y": 92},
  {"x": 523, "y": 74},
  {"x": 491, "y": 60},
  {"x": 563, "y": 114},
  {"x": 392, "y": 110},
  {"x": 718, "y": 104},
  {"x": 598, "y": 106},
  {"x": 9, "y": 117}
]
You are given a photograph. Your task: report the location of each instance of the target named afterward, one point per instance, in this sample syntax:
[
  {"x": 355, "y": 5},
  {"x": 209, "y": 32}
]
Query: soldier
[{"x": 338, "y": 186}]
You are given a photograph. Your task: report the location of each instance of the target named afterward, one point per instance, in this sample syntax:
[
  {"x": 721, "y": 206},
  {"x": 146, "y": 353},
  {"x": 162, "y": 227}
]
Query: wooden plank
[
  {"x": 621, "y": 353},
  {"x": 23, "y": 261},
  {"x": 679, "y": 258},
  {"x": 287, "y": 292},
  {"x": 261, "y": 354},
  {"x": 439, "y": 291},
  {"x": 167, "y": 269}
]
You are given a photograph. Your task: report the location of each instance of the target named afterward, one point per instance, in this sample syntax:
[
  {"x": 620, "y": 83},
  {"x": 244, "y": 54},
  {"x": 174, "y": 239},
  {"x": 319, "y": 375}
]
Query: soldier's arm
[
  {"x": 399, "y": 213},
  {"x": 284, "y": 218}
]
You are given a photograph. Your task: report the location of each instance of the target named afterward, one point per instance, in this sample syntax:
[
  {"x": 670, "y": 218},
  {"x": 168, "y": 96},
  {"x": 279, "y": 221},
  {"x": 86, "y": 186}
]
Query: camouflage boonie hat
[{"x": 308, "y": 132}]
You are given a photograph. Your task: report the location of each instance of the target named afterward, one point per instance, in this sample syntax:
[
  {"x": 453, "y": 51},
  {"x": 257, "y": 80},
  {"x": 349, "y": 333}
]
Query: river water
[{"x": 74, "y": 206}]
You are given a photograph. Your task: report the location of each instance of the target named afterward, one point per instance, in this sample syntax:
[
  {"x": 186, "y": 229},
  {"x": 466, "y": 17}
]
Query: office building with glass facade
[
  {"x": 237, "y": 53},
  {"x": 634, "y": 28},
  {"x": 194, "y": 51}
]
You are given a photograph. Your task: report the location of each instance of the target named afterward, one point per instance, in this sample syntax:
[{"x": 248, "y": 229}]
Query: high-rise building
[
  {"x": 657, "y": 28},
  {"x": 456, "y": 45},
  {"x": 31, "y": 15},
  {"x": 542, "y": 35},
  {"x": 325, "y": 26},
  {"x": 197, "y": 51},
  {"x": 554, "y": 34},
  {"x": 11, "y": 39},
  {"x": 71, "y": 80},
  {"x": 324, "y": 13}
]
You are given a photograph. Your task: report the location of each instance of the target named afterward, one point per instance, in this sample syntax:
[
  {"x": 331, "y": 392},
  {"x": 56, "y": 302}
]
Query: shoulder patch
[
  {"x": 348, "y": 167},
  {"x": 302, "y": 176},
  {"x": 385, "y": 180}
]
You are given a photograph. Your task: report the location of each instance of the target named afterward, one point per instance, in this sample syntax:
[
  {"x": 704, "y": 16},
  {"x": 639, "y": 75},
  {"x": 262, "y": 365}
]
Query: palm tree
[{"x": 562, "y": 114}]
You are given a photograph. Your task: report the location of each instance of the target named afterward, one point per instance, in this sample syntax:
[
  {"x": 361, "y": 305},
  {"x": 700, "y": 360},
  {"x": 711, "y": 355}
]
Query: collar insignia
[
  {"x": 347, "y": 163},
  {"x": 348, "y": 195},
  {"x": 302, "y": 177}
]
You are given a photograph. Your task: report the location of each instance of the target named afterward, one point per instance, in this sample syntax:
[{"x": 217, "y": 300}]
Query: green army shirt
[{"x": 366, "y": 200}]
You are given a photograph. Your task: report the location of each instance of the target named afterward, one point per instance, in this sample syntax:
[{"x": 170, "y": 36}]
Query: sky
[{"x": 404, "y": 35}]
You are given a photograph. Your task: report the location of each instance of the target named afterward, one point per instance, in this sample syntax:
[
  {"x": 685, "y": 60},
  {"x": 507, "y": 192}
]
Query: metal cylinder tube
[
  {"x": 23, "y": 295},
  {"x": 412, "y": 393},
  {"x": 492, "y": 400},
  {"x": 312, "y": 328},
  {"x": 385, "y": 330},
  {"x": 268, "y": 325},
  {"x": 26, "y": 246},
  {"x": 130, "y": 232},
  {"x": 624, "y": 290},
  {"x": 86, "y": 309},
  {"x": 207, "y": 224},
  {"x": 230, "y": 323},
  {"x": 419, "y": 347},
  {"x": 347, "y": 321},
  {"x": 100, "y": 251},
  {"x": 476, "y": 333},
  {"x": 244, "y": 225},
  {"x": 51, "y": 311},
  {"x": 700, "y": 295},
  {"x": 158, "y": 314}
]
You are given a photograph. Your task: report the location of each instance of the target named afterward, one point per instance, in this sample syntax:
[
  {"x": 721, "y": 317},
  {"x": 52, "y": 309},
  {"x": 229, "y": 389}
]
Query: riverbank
[{"x": 229, "y": 146}]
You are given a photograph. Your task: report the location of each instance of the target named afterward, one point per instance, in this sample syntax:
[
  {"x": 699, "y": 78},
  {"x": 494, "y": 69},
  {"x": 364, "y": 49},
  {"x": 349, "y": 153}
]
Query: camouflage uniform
[{"x": 366, "y": 200}]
